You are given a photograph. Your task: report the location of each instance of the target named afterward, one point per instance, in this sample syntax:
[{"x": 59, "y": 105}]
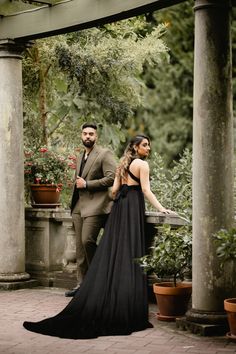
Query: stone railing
[{"x": 50, "y": 243}]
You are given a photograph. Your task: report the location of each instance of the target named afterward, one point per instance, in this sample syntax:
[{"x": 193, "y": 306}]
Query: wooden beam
[{"x": 74, "y": 15}]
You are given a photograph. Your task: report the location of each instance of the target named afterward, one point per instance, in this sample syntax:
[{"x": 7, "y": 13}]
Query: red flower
[
  {"x": 46, "y": 166},
  {"x": 72, "y": 165},
  {"x": 72, "y": 157},
  {"x": 43, "y": 149}
]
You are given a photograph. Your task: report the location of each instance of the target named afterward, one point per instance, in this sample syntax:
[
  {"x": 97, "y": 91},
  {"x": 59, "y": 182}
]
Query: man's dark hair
[{"x": 89, "y": 125}]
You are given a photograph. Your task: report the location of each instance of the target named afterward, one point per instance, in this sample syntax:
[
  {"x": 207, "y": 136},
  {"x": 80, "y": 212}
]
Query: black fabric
[
  {"x": 75, "y": 196},
  {"x": 112, "y": 299},
  {"x": 136, "y": 179},
  {"x": 83, "y": 162}
]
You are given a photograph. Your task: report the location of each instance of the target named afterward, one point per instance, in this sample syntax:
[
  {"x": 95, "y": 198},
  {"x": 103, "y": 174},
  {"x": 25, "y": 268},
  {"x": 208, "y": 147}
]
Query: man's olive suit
[{"x": 91, "y": 205}]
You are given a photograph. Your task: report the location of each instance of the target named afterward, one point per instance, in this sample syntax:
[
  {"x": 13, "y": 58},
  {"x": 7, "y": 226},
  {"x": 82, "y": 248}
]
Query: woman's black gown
[{"x": 112, "y": 299}]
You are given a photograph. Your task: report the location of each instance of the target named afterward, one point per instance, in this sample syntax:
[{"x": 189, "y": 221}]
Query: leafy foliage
[
  {"x": 48, "y": 166},
  {"x": 168, "y": 107},
  {"x": 158, "y": 102},
  {"x": 225, "y": 241},
  {"x": 46, "y": 98},
  {"x": 90, "y": 75},
  {"x": 173, "y": 187},
  {"x": 171, "y": 253}
]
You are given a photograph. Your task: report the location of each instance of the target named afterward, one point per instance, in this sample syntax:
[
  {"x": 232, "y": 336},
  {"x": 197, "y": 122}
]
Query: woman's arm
[
  {"x": 145, "y": 184},
  {"x": 116, "y": 186}
]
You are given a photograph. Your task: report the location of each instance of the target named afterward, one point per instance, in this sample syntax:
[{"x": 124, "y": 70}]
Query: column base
[
  {"x": 55, "y": 279},
  {"x": 16, "y": 285},
  {"x": 204, "y": 323},
  {"x": 10, "y": 277}
]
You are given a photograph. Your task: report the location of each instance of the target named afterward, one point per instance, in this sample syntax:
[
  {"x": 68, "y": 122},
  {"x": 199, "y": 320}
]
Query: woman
[{"x": 112, "y": 299}]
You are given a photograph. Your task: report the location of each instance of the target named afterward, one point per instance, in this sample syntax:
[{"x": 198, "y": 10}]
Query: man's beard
[{"x": 88, "y": 143}]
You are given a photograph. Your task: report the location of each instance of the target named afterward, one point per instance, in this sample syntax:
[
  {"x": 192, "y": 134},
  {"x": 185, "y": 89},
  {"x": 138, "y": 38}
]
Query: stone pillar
[
  {"x": 50, "y": 247},
  {"x": 212, "y": 156},
  {"x": 12, "y": 227},
  {"x": 70, "y": 265}
]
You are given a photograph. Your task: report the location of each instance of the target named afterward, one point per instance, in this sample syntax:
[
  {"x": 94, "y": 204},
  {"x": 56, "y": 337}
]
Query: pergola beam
[
  {"x": 46, "y": 2},
  {"x": 74, "y": 15}
]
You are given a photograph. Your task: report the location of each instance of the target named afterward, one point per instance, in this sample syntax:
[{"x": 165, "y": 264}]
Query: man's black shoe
[{"x": 72, "y": 292}]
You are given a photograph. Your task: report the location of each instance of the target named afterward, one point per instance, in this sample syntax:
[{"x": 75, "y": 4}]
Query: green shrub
[
  {"x": 173, "y": 187},
  {"x": 171, "y": 253}
]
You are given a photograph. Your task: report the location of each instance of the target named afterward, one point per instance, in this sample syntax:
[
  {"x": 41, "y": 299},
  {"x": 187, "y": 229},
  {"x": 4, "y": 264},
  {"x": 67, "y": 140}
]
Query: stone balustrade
[{"x": 50, "y": 243}]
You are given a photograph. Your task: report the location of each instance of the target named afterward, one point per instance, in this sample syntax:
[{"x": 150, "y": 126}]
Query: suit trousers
[{"x": 86, "y": 232}]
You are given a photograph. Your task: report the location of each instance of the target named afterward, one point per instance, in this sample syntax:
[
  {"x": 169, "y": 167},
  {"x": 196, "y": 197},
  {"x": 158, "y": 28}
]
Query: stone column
[
  {"x": 212, "y": 156},
  {"x": 12, "y": 227}
]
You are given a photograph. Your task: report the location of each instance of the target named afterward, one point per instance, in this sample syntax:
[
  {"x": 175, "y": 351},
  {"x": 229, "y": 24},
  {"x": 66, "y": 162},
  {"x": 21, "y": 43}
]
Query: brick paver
[{"x": 36, "y": 304}]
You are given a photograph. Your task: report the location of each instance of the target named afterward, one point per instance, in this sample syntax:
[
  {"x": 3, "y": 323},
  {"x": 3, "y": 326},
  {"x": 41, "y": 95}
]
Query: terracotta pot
[
  {"x": 230, "y": 308},
  {"x": 172, "y": 301},
  {"x": 45, "y": 195}
]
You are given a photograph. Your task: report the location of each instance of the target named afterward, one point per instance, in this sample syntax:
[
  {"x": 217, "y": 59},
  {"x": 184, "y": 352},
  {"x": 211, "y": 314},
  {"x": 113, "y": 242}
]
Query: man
[{"x": 91, "y": 202}]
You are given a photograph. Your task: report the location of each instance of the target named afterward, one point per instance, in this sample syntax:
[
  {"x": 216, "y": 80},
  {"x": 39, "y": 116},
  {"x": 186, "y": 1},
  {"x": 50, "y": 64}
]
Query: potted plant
[
  {"x": 225, "y": 241},
  {"x": 45, "y": 172},
  {"x": 170, "y": 259}
]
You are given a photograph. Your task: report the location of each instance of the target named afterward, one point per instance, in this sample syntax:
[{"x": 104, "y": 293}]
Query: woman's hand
[{"x": 168, "y": 211}]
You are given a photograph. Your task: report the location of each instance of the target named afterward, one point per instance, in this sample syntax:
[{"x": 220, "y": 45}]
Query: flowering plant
[{"x": 45, "y": 166}]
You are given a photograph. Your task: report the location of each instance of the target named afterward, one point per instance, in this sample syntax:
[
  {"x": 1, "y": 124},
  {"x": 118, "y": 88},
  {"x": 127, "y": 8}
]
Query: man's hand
[{"x": 80, "y": 182}]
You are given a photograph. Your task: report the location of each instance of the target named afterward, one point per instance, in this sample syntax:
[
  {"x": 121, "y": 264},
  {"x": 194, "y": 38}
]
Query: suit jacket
[{"x": 99, "y": 174}]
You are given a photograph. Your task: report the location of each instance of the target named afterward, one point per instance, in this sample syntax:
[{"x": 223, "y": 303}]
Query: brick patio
[{"x": 38, "y": 303}]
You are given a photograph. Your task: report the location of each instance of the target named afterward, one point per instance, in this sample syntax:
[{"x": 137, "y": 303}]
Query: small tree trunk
[
  {"x": 42, "y": 107},
  {"x": 42, "y": 98}
]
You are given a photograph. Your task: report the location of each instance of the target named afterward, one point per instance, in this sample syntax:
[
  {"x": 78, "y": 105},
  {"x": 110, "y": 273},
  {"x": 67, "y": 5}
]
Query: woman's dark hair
[
  {"x": 130, "y": 154},
  {"x": 136, "y": 140}
]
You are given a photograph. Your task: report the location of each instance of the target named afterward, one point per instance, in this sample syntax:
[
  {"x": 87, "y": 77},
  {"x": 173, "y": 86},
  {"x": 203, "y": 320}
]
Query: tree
[
  {"x": 92, "y": 74},
  {"x": 169, "y": 97},
  {"x": 42, "y": 87}
]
